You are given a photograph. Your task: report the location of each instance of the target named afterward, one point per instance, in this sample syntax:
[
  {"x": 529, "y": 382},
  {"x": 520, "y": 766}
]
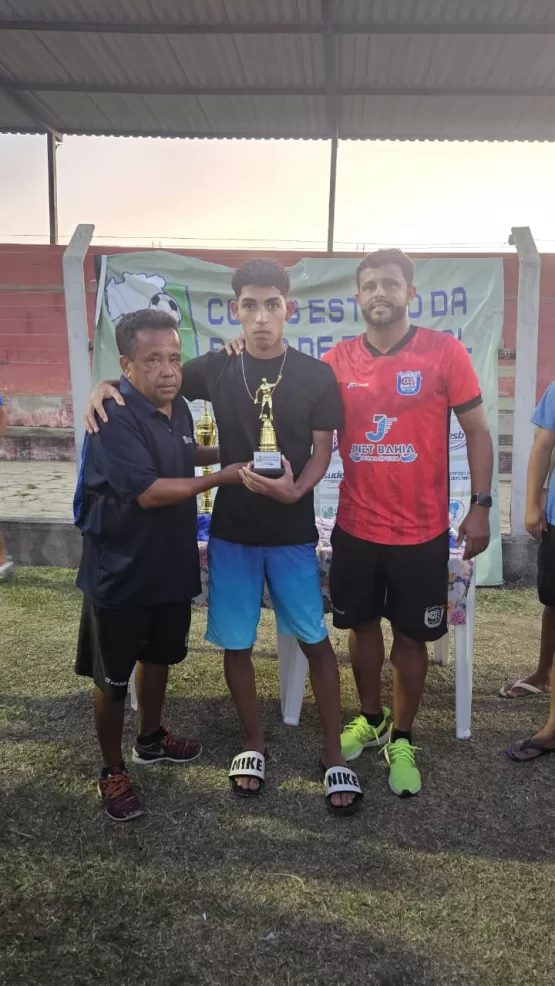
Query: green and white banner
[{"x": 462, "y": 296}]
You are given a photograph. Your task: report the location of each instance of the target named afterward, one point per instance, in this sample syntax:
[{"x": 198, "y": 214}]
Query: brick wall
[{"x": 34, "y": 366}]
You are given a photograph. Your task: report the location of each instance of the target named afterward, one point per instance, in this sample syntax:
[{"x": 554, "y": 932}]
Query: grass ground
[{"x": 455, "y": 887}]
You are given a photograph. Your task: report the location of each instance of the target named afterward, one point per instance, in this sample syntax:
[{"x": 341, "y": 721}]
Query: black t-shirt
[{"x": 307, "y": 399}]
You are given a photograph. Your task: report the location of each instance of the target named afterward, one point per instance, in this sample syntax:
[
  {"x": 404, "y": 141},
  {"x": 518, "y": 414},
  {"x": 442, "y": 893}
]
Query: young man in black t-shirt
[{"x": 265, "y": 530}]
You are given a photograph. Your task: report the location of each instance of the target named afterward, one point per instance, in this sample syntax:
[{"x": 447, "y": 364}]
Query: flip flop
[
  {"x": 341, "y": 780},
  {"x": 528, "y": 689},
  {"x": 536, "y": 750},
  {"x": 248, "y": 763}
]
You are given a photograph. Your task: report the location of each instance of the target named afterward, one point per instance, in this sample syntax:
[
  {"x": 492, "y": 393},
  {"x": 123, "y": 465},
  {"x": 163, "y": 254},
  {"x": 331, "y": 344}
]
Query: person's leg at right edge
[
  {"x": 543, "y": 741},
  {"x": 236, "y": 586},
  {"x": 540, "y": 679},
  {"x": 357, "y": 588},
  {"x": 417, "y": 609}
]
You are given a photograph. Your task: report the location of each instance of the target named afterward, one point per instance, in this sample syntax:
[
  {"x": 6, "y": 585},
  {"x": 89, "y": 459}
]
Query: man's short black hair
[
  {"x": 133, "y": 322},
  {"x": 382, "y": 257},
  {"x": 263, "y": 273}
]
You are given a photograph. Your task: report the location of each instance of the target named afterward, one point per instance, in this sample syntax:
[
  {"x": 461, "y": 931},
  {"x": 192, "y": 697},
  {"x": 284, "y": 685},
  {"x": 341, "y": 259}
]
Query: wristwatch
[{"x": 482, "y": 499}]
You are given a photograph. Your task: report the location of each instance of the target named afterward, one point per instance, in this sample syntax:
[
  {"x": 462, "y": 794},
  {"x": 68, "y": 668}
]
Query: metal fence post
[{"x": 529, "y": 271}]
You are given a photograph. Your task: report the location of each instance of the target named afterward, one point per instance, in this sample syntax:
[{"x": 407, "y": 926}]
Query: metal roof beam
[
  {"x": 107, "y": 131},
  {"x": 317, "y": 27},
  {"x": 140, "y": 89},
  {"x": 31, "y": 85}
]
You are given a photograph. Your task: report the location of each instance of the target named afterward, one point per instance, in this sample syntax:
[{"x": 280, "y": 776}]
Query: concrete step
[{"x": 23, "y": 444}]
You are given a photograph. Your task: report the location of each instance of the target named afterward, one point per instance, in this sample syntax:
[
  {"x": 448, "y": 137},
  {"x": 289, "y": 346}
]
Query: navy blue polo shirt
[{"x": 131, "y": 556}]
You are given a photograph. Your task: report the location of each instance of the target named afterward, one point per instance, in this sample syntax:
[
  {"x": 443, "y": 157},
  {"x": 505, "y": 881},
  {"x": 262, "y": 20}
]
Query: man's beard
[{"x": 388, "y": 315}]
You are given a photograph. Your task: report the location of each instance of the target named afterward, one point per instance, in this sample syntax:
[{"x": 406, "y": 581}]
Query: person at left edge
[{"x": 136, "y": 506}]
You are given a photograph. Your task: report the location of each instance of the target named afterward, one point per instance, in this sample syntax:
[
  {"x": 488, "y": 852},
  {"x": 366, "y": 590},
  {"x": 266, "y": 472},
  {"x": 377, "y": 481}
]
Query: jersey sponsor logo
[
  {"x": 351, "y": 385},
  {"x": 377, "y": 450},
  {"x": 383, "y": 453},
  {"x": 457, "y": 440},
  {"x": 383, "y": 425},
  {"x": 433, "y": 616},
  {"x": 409, "y": 382}
]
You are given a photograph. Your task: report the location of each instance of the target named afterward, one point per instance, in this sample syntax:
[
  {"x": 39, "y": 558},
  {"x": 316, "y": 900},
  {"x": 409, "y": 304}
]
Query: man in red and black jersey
[{"x": 399, "y": 383}]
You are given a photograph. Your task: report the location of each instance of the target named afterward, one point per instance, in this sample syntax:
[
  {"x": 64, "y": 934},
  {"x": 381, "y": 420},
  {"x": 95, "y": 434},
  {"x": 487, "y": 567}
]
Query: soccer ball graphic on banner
[{"x": 162, "y": 302}]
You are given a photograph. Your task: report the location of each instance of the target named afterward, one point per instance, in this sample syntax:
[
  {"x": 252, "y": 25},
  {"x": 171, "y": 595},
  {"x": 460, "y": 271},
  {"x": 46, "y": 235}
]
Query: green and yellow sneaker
[
  {"x": 404, "y": 776},
  {"x": 358, "y": 735}
]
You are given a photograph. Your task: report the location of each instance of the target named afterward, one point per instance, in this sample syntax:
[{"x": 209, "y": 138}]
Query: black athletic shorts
[
  {"x": 406, "y": 584},
  {"x": 546, "y": 567},
  {"x": 111, "y": 641}
]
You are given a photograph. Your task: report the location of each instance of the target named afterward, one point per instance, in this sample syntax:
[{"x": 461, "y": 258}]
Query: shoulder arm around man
[{"x": 544, "y": 415}]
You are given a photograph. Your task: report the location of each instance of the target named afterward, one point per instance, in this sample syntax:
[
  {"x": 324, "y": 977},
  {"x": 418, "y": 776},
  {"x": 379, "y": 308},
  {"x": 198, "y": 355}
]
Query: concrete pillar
[
  {"x": 77, "y": 328},
  {"x": 526, "y": 367}
]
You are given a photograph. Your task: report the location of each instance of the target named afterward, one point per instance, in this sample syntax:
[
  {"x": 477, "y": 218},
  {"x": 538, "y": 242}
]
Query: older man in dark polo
[{"x": 136, "y": 506}]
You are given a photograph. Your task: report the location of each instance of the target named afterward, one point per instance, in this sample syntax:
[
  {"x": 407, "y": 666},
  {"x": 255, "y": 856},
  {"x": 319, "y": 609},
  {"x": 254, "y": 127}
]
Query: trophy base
[{"x": 268, "y": 464}]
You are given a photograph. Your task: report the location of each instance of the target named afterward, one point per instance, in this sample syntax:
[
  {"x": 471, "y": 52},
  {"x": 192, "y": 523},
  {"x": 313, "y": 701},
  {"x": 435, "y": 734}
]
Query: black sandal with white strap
[
  {"x": 249, "y": 763},
  {"x": 342, "y": 780}
]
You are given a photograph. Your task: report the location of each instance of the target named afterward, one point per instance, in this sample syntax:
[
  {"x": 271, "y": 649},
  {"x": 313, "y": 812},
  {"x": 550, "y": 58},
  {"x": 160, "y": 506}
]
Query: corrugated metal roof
[
  {"x": 428, "y": 69},
  {"x": 17, "y": 119},
  {"x": 160, "y": 11},
  {"x": 496, "y": 12}
]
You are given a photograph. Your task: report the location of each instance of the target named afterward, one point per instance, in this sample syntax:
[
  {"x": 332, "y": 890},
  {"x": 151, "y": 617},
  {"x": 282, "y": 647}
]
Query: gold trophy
[
  {"x": 267, "y": 460},
  {"x": 206, "y": 436}
]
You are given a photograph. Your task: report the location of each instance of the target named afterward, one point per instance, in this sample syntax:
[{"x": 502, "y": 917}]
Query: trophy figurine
[
  {"x": 267, "y": 460},
  {"x": 206, "y": 436}
]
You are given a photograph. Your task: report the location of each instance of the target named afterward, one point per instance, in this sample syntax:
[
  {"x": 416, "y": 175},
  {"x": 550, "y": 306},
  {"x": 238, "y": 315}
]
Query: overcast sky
[{"x": 275, "y": 193}]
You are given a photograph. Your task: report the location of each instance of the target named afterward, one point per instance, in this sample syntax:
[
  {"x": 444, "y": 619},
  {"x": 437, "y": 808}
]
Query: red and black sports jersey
[{"x": 394, "y": 442}]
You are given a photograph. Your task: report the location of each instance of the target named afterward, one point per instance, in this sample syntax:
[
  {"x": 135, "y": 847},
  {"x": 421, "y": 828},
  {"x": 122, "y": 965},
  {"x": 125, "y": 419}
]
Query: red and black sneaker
[
  {"x": 121, "y": 804},
  {"x": 167, "y": 749}
]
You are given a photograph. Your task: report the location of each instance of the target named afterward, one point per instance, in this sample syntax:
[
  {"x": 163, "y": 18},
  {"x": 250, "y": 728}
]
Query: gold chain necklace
[{"x": 273, "y": 385}]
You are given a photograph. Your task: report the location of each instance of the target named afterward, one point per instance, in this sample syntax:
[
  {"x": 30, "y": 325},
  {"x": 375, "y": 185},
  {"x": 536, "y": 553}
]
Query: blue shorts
[{"x": 236, "y": 576}]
